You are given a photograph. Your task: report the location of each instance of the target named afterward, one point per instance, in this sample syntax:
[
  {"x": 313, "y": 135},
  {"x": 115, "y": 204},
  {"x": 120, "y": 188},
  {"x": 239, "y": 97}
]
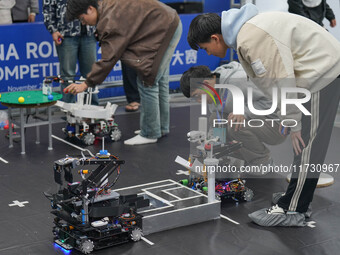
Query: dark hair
[
  {"x": 77, "y": 7},
  {"x": 193, "y": 72},
  {"x": 202, "y": 27}
]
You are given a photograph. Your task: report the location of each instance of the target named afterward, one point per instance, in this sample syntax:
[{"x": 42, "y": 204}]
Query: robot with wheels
[
  {"x": 234, "y": 189},
  {"x": 215, "y": 148},
  {"x": 86, "y": 122},
  {"x": 88, "y": 214}
]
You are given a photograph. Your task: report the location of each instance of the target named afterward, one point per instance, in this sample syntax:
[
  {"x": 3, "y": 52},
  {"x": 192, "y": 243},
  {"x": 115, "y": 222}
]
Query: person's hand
[
  {"x": 296, "y": 140},
  {"x": 31, "y": 18},
  {"x": 75, "y": 88},
  {"x": 210, "y": 82},
  {"x": 284, "y": 130},
  {"x": 236, "y": 118},
  {"x": 332, "y": 23},
  {"x": 57, "y": 38},
  {"x": 197, "y": 95}
]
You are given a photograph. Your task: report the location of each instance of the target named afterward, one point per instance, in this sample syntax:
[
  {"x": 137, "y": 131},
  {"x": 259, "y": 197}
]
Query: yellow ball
[
  {"x": 0, "y": 95},
  {"x": 21, "y": 100}
]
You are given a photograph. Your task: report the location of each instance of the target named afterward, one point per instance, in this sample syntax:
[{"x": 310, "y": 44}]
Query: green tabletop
[{"x": 35, "y": 97}]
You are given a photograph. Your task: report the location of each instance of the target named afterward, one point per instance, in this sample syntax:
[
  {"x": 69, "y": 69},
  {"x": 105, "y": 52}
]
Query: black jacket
[{"x": 316, "y": 14}]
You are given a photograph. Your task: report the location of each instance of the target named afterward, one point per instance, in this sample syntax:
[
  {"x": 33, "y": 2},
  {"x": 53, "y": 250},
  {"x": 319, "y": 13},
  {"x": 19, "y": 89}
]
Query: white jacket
[{"x": 278, "y": 49}]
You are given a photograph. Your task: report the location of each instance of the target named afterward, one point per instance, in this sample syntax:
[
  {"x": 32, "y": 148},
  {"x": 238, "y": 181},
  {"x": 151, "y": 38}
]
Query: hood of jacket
[
  {"x": 233, "y": 20},
  {"x": 311, "y": 3}
]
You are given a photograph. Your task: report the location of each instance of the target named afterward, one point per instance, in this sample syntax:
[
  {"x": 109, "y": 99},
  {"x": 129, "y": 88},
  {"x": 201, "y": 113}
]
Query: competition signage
[{"x": 28, "y": 54}]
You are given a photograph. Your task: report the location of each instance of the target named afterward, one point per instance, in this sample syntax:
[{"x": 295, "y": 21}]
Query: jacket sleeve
[
  {"x": 329, "y": 13},
  {"x": 296, "y": 7},
  {"x": 49, "y": 12},
  {"x": 34, "y": 6},
  {"x": 269, "y": 65},
  {"x": 112, "y": 47},
  {"x": 114, "y": 40}
]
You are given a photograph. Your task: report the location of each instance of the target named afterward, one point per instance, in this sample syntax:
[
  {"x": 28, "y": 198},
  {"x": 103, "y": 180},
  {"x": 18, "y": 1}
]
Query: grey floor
[{"x": 27, "y": 230}]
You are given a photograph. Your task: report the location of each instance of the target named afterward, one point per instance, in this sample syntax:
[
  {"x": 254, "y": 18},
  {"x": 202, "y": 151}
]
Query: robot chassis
[
  {"x": 234, "y": 189},
  {"x": 85, "y": 122},
  {"x": 88, "y": 214}
]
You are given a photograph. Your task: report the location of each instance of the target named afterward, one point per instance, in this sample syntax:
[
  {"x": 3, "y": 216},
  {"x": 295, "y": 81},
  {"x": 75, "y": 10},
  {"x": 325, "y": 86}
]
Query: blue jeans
[
  {"x": 130, "y": 84},
  {"x": 78, "y": 48},
  {"x": 155, "y": 109}
]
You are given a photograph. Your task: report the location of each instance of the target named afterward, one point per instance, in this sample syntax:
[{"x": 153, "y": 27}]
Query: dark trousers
[
  {"x": 130, "y": 84},
  {"x": 316, "y": 132}
]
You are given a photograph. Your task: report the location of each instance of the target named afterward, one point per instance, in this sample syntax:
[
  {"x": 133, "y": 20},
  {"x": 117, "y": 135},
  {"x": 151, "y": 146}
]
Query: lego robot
[
  {"x": 88, "y": 214},
  {"x": 86, "y": 122},
  {"x": 215, "y": 150}
]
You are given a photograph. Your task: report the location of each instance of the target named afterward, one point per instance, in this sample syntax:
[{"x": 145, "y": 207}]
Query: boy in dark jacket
[{"x": 143, "y": 34}]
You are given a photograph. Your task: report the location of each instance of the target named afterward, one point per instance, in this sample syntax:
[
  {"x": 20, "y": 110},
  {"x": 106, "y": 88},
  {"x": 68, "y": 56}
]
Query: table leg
[
  {"x": 37, "y": 141},
  {"x": 22, "y": 128},
  {"x": 10, "y": 127},
  {"x": 49, "y": 128}
]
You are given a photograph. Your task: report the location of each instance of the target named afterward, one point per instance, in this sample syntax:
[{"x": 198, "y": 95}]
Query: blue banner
[{"x": 28, "y": 54}]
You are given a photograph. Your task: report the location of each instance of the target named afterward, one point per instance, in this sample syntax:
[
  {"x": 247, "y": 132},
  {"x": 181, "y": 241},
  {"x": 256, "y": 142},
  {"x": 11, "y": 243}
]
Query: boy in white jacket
[{"x": 283, "y": 51}]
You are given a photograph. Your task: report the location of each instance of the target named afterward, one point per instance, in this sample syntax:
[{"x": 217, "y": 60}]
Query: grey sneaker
[
  {"x": 277, "y": 216},
  {"x": 275, "y": 199}
]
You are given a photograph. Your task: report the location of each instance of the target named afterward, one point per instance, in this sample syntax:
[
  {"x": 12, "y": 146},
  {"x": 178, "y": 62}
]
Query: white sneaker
[
  {"x": 275, "y": 209},
  {"x": 275, "y": 199},
  {"x": 137, "y": 132},
  {"x": 137, "y": 140}
]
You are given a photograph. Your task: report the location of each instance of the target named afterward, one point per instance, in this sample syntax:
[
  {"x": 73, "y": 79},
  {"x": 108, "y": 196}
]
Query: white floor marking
[
  {"x": 141, "y": 185},
  {"x": 226, "y": 218},
  {"x": 181, "y": 172},
  {"x": 147, "y": 241},
  {"x": 172, "y": 195},
  {"x": 311, "y": 224},
  {"x": 17, "y": 203},
  {"x": 3, "y": 160},
  {"x": 75, "y": 146}
]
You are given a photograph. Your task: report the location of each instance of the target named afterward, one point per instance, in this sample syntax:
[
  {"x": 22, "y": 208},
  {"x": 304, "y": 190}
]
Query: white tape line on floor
[
  {"x": 226, "y": 218},
  {"x": 3, "y": 160},
  {"x": 147, "y": 241}
]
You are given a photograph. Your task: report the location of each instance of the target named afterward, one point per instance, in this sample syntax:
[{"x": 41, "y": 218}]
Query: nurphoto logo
[{"x": 238, "y": 104}]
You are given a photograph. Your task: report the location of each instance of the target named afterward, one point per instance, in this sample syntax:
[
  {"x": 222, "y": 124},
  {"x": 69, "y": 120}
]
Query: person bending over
[
  {"x": 254, "y": 151},
  {"x": 143, "y": 35},
  {"x": 285, "y": 52}
]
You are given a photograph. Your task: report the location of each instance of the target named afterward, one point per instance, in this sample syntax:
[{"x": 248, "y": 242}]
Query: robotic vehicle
[
  {"x": 234, "y": 188},
  {"x": 88, "y": 214},
  {"x": 86, "y": 122}
]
